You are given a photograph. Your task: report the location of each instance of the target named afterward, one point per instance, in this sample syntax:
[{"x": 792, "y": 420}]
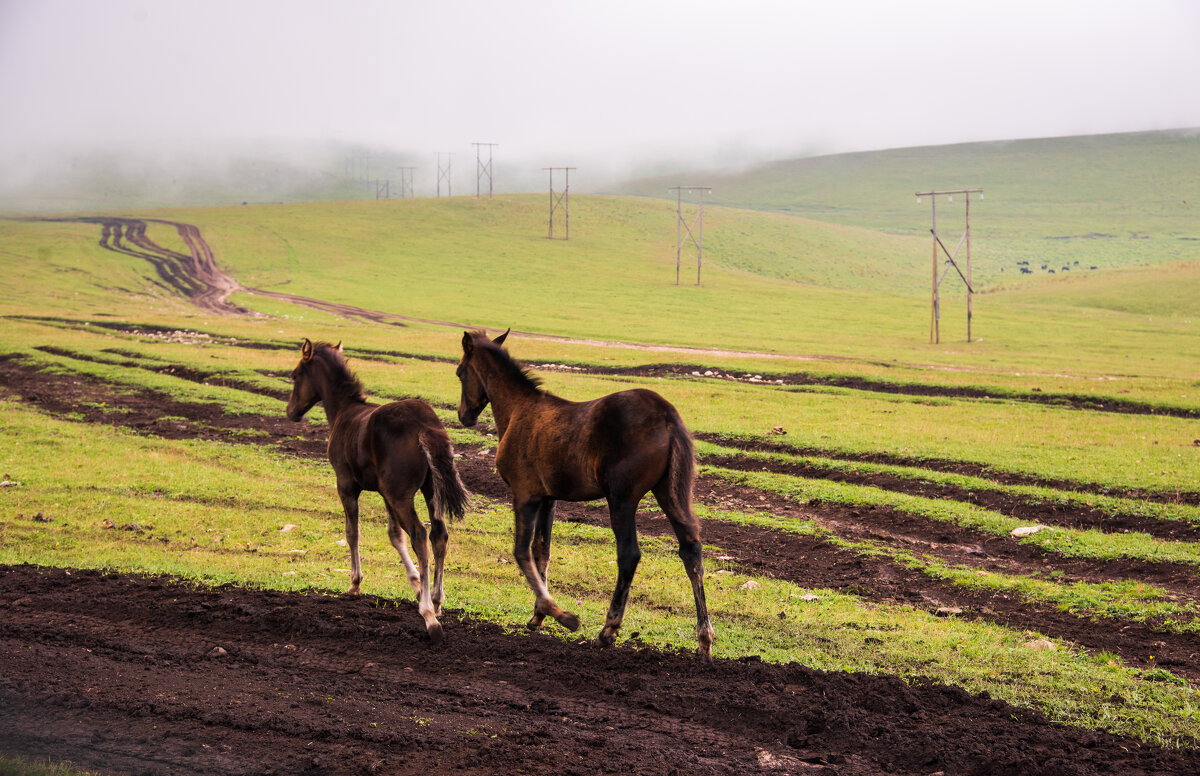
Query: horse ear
[
  {"x": 467, "y": 343},
  {"x": 338, "y": 347},
  {"x": 306, "y": 350},
  {"x": 500, "y": 340}
]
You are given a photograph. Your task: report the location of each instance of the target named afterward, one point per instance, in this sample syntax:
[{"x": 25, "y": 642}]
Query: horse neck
[
  {"x": 336, "y": 388},
  {"x": 506, "y": 394}
]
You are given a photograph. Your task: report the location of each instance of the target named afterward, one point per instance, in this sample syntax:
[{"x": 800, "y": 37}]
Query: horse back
[
  {"x": 377, "y": 438},
  {"x": 578, "y": 451}
]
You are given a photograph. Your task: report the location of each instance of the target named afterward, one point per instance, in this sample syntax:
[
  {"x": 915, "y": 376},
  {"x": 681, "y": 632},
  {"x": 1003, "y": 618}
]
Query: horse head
[
  {"x": 305, "y": 391},
  {"x": 474, "y": 395}
]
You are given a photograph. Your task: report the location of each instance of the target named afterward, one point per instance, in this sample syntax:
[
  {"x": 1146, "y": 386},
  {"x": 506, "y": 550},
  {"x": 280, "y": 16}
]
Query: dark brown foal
[{"x": 618, "y": 447}]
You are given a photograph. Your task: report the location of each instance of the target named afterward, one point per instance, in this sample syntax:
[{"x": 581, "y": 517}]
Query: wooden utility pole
[
  {"x": 563, "y": 201},
  {"x": 682, "y": 226},
  {"x": 935, "y": 313},
  {"x": 444, "y": 173},
  {"x": 483, "y": 169},
  {"x": 406, "y": 182}
]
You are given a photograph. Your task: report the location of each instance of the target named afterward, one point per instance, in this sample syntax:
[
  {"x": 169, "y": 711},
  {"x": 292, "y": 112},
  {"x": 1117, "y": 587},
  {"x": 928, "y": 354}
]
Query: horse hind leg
[
  {"x": 439, "y": 540},
  {"x": 623, "y": 518},
  {"x": 691, "y": 552},
  {"x": 350, "y": 507},
  {"x": 523, "y": 533},
  {"x": 403, "y": 520},
  {"x": 396, "y": 537}
]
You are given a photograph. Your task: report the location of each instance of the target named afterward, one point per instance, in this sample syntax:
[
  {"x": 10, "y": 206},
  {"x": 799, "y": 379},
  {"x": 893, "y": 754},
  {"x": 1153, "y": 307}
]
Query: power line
[
  {"x": 483, "y": 169},
  {"x": 682, "y": 226},
  {"x": 444, "y": 172},
  {"x": 935, "y": 312},
  {"x": 563, "y": 200}
]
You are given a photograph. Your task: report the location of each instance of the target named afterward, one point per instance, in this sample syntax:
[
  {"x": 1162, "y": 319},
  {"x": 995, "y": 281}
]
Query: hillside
[{"x": 1100, "y": 201}]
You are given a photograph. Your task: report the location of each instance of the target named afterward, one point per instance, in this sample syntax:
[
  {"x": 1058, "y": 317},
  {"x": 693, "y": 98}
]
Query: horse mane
[
  {"x": 521, "y": 374},
  {"x": 341, "y": 379}
]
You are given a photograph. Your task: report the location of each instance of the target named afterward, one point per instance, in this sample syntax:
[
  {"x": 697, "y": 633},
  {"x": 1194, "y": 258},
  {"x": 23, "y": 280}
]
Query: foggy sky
[{"x": 559, "y": 82}]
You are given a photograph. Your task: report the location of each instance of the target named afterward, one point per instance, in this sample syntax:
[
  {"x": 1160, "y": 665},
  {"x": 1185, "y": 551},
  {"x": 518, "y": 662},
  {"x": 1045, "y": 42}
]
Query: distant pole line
[
  {"x": 444, "y": 172},
  {"x": 406, "y": 182},
  {"x": 563, "y": 201},
  {"x": 483, "y": 169},
  {"x": 383, "y": 188},
  {"x": 682, "y": 226},
  {"x": 935, "y": 310}
]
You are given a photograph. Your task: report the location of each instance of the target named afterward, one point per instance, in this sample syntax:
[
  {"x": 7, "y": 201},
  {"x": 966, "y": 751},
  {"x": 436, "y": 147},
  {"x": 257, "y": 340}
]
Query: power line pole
[
  {"x": 935, "y": 311},
  {"x": 563, "y": 200},
  {"x": 682, "y": 226},
  {"x": 383, "y": 188},
  {"x": 406, "y": 182},
  {"x": 482, "y": 169},
  {"x": 444, "y": 173}
]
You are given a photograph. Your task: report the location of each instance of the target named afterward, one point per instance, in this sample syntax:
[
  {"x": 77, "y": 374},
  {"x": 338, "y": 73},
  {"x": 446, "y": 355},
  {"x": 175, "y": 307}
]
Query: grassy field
[{"x": 779, "y": 298}]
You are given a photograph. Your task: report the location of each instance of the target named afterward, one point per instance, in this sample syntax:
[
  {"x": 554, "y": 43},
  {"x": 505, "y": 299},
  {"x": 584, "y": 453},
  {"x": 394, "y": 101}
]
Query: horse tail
[
  {"x": 681, "y": 466},
  {"x": 450, "y": 496}
]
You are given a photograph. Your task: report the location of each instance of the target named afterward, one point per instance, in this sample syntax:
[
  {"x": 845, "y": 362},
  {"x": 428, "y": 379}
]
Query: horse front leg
[
  {"x": 541, "y": 551},
  {"x": 349, "y": 496},
  {"x": 525, "y": 528},
  {"x": 629, "y": 554}
]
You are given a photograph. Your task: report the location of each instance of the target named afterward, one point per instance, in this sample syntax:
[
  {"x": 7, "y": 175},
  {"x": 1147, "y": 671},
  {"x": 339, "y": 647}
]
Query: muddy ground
[
  {"x": 149, "y": 676},
  {"x": 119, "y": 673}
]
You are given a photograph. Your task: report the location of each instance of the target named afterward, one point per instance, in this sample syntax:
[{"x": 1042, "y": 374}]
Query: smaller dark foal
[{"x": 395, "y": 450}]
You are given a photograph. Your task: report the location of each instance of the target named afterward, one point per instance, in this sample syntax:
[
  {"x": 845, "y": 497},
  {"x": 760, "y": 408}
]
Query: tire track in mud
[
  {"x": 197, "y": 276},
  {"x": 799, "y": 379},
  {"x": 1029, "y": 509},
  {"x": 808, "y": 561},
  {"x": 950, "y": 466},
  {"x": 119, "y": 673}
]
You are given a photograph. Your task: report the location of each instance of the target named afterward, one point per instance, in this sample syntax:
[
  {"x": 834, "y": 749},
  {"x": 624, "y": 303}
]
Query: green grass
[
  {"x": 213, "y": 513},
  {"x": 17, "y": 766}
]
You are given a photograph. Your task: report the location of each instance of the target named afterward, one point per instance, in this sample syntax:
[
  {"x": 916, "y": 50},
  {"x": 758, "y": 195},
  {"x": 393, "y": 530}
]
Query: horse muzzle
[{"x": 468, "y": 415}]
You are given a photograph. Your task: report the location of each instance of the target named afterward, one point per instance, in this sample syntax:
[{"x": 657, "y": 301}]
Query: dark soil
[{"x": 151, "y": 676}]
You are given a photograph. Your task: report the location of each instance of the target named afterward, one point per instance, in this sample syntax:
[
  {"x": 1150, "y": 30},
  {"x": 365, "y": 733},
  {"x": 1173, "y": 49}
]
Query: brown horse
[
  {"x": 395, "y": 450},
  {"x": 618, "y": 447}
]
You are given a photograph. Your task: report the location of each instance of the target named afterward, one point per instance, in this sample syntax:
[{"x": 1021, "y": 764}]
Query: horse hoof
[
  {"x": 435, "y": 633},
  {"x": 354, "y": 590},
  {"x": 568, "y": 621},
  {"x": 704, "y": 647},
  {"x": 535, "y": 622},
  {"x": 606, "y": 638}
]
